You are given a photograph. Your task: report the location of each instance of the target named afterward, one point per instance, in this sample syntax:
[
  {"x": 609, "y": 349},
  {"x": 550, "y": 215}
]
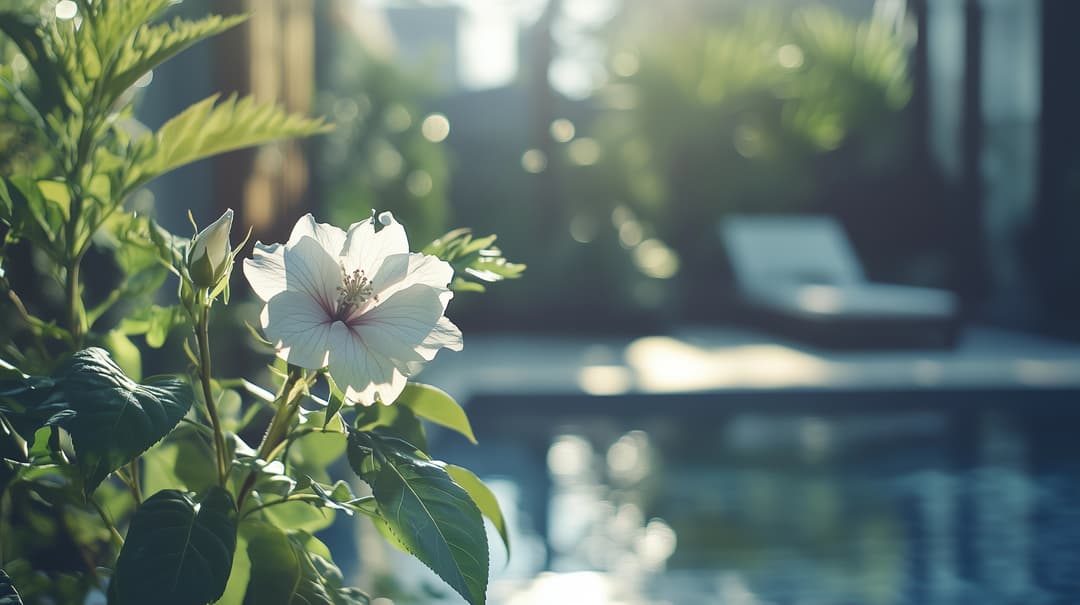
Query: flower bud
[{"x": 210, "y": 249}]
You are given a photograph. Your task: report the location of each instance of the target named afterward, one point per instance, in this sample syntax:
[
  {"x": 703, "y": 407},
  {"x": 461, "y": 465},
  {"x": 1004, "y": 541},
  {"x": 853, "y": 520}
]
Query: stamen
[{"x": 355, "y": 289}]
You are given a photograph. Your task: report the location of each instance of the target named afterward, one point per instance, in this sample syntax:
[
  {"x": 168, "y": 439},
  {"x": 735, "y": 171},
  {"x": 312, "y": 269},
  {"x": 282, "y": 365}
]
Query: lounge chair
[{"x": 799, "y": 274}]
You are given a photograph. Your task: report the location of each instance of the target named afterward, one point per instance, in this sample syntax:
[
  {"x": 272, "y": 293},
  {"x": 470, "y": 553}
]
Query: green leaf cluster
[
  {"x": 86, "y": 70},
  {"x": 476, "y": 261},
  {"x": 148, "y": 488}
]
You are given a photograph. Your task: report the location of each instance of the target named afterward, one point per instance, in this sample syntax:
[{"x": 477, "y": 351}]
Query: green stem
[
  {"x": 203, "y": 336},
  {"x": 133, "y": 473},
  {"x": 74, "y": 302},
  {"x": 288, "y": 404},
  {"x": 108, "y": 523}
]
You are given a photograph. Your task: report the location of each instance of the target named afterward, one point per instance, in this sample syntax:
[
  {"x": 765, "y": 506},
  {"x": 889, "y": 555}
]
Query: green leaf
[
  {"x": 483, "y": 497},
  {"x": 475, "y": 258},
  {"x": 125, "y": 353},
  {"x": 393, "y": 420},
  {"x": 299, "y": 515},
  {"x": 333, "y": 580},
  {"x": 152, "y": 45},
  {"x": 432, "y": 517},
  {"x": 155, "y": 322},
  {"x": 30, "y": 213},
  {"x": 208, "y": 128},
  {"x": 282, "y": 571},
  {"x": 315, "y": 451},
  {"x": 436, "y": 405},
  {"x": 24, "y": 31},
  {"x": 177, "y": 552},
  {"x": 111, "y": 418},
  {"x": 111, "y": 23},
  {"x": 270, "y": 477},
  {"x": 338, "y": 497},
  {"x": 241, "y": 570},
  {"x": 8, "y": 594}
]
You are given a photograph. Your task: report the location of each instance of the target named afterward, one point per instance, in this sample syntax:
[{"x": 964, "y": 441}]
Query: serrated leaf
[
  {"x": 110, "y": 23},
  {"x": 8, "y": 594},
  {"x": 436, "y": 405},
  {"x": 483, "y": 497},
  {"x": 153, "y": 45},
  {"x": 282, "y": 571},
  {"x": 111, "y": 418},
  {"x": 208, "y": 128},
  {"x": 432, "y": 517},
  {"x": 177, "y": 552},
  {"x": 473, "y": 258}
]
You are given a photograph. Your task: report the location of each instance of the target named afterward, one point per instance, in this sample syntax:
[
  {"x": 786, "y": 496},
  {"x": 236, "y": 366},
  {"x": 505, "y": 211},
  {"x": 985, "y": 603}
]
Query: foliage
[{"x": 146, "y": 489}]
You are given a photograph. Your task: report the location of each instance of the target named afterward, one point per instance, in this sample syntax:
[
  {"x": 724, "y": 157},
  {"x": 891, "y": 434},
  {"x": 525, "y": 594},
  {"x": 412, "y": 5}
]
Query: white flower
[
  {"x": 210, "y": 252},
  {"x": 358, "y": 303}
]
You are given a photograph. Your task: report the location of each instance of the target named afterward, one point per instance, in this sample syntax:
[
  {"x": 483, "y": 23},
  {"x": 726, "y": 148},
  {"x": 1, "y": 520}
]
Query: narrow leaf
[
  {"x": 433, "y": 404},
  {"x": 177, "y": 552},
  {"x": 432, "y": 517}
]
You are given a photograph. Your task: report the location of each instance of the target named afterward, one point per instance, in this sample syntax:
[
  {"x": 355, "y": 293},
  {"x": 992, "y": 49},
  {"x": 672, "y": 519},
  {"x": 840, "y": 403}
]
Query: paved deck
[{"x": 706, "y": 359}]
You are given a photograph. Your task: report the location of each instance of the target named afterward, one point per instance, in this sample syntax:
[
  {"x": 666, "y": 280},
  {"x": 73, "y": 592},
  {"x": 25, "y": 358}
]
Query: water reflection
[{"x": 889, "y": 508}]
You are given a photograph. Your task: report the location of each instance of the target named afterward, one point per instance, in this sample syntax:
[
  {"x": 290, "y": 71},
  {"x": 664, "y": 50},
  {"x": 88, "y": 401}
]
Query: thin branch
[{"x": 108, "y": 522}]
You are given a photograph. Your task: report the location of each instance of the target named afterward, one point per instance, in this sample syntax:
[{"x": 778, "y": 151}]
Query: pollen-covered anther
[{"x": 355, "y": 289}]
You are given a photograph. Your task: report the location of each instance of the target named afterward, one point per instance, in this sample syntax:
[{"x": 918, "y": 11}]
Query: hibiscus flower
[{"x": 357, "y": 302}]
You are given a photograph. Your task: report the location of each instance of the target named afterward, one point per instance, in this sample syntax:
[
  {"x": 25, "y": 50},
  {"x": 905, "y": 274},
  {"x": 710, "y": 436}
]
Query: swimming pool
[{"x": 784, "y": 497}]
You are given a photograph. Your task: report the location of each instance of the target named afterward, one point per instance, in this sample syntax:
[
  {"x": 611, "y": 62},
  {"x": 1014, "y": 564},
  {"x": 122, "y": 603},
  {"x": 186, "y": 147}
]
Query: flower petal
[
  {"x": 309, "y": 268},
  {"x": 299, "y": 327},
  {"x": 364, "y": 375},
  {"x": 403, "y": 270},
  {"x": 366, "y": 250},
  {"x": 331, "y": 238},
  {"x": 265, "y": 270},
  {"x": 401, "y": 324},
  {"x": 445, "y": 336}
]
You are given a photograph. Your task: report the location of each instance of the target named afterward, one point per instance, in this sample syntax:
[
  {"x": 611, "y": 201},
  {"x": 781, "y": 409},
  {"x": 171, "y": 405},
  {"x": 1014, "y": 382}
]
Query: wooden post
[{"x": 273, "y": 58}]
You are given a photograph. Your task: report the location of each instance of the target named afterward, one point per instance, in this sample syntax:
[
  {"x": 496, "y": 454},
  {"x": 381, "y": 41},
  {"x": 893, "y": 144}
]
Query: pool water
[{"x": 889, "y": 507}]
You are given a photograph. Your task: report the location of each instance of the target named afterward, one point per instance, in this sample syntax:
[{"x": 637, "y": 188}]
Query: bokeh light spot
[
  {"x": 419, "y": 183},
  {"x": 790, "y": 56},
  {"x": 584, "y": 151},
  {"x": 655, "y": 259},
  {"x": 562, "y": 130},
  {"x": 631, "y": 234},
  {"x": 625, "y": 64},
  {"x": 534, "y": 161},
  {"x": 435, "y": 128},
  {"x": 397, "y": 118}
]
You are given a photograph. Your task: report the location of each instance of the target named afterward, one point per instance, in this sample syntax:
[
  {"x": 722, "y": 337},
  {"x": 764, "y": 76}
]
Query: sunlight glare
[{"x": 66, "y": 9}]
